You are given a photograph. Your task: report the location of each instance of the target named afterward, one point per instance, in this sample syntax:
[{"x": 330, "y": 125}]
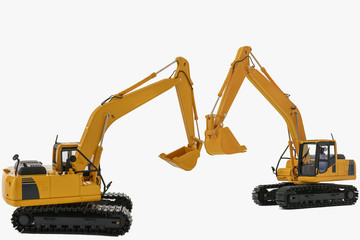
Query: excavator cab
[
  {"x": 317, "y": 158},
  {"x": 63, "y": 156},
  {"x": 318, "y": 161}
]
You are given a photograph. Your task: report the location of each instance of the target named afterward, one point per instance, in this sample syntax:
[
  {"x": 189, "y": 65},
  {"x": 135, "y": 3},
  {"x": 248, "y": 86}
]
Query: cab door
[
  {"x": 327, "y": 156},
  {"x": 307, "y": 159}
]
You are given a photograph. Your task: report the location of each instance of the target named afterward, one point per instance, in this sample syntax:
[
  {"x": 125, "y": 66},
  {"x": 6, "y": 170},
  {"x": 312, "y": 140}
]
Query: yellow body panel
[
  {"x": 50, "y": 201},
  {"x": 52, "y": 188}
]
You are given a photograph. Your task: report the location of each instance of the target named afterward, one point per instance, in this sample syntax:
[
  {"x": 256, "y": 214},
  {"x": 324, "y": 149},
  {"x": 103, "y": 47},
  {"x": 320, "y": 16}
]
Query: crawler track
[
  {"x": 121, "y": 199},
  {"x": 291, "y": 196},
  {"x": 110, "y": 217},
  {"x": 264, "y": 195},
  {"x": 316, "y": 195}
]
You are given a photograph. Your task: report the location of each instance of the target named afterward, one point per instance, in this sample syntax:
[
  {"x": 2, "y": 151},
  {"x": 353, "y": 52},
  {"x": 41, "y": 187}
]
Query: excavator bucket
[
  {"x": 184, "y": 158},
  {"x": 222, "y": 141}
]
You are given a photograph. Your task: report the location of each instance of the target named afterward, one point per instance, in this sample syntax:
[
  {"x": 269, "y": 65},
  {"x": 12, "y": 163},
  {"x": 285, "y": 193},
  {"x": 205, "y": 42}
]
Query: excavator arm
[
  {"x": 116, "y": 106},
  {"x": 220, "y": 140}
]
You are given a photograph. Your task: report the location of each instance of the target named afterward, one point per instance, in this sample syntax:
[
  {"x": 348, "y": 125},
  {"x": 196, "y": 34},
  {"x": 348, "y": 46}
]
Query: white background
[{"x": 60, "y": 59}]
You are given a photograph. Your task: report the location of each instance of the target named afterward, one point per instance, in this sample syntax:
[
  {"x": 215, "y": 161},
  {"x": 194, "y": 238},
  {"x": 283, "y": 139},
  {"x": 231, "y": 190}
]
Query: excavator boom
[{"x": 220, "y": 140}]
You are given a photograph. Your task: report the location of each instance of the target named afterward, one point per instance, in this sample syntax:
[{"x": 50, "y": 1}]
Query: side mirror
[
  {"x": 16, "y": 157},
  {"x": 72, "y": 158},
  {"x": 273, "y": 170}
]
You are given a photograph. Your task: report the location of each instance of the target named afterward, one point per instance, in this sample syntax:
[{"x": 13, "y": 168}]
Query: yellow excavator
[
  {"x": 311, "y": 161},
  {"x": 66, "y": 197}
]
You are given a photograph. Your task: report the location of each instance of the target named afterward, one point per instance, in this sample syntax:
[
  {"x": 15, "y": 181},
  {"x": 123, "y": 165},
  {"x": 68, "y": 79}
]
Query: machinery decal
[
  {"x": 29, "y": 189},
  {"x": 351, "y": 167}
]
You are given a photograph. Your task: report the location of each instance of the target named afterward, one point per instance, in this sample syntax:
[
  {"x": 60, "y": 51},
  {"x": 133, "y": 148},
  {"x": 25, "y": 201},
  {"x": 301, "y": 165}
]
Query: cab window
[
  {"x": 326, "y": 156},
  {"x": 308, "y": 159},
  {"x": 65, "y": 154}
]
